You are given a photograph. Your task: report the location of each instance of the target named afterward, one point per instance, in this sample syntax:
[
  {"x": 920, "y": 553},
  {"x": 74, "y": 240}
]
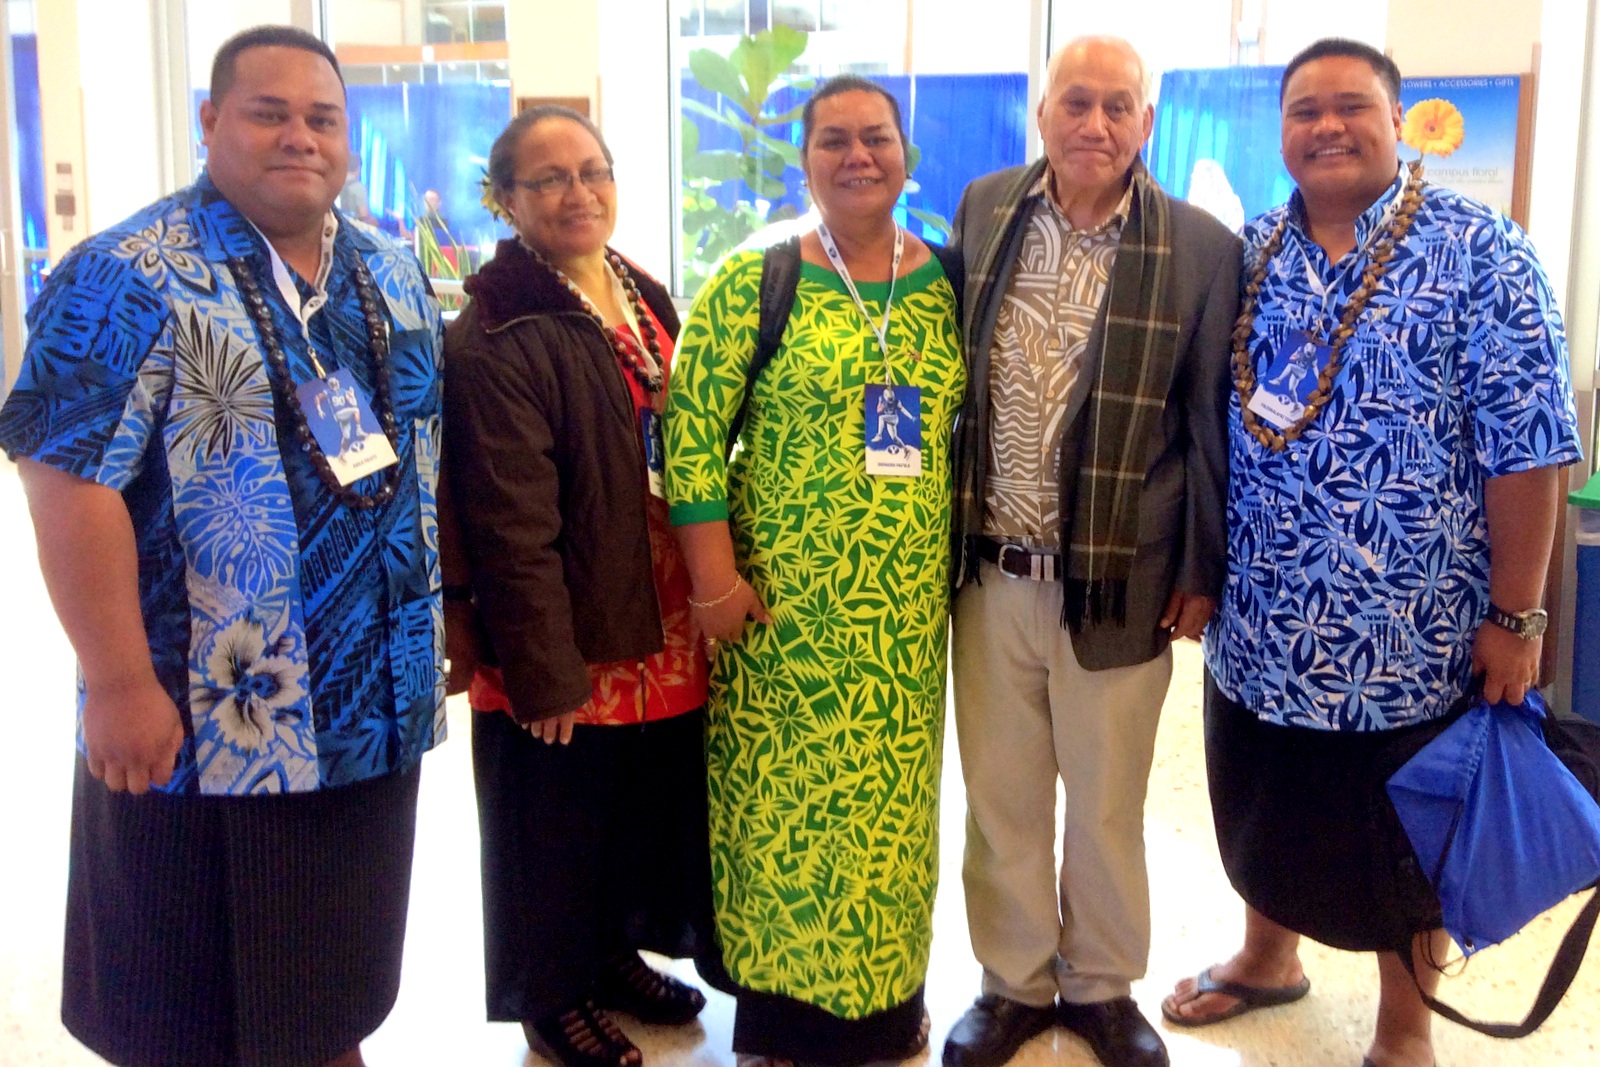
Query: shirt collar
[
  {"x": 1118, "y": 216},
  {"x": 1376, "y": 215}
]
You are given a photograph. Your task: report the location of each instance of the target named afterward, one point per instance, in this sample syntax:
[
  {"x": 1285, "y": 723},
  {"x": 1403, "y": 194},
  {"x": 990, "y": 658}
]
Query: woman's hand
[
  {"x": 721, "y": 616},
  {"x": 460, "y": 644},
  {"x": 556, "y": 728}
]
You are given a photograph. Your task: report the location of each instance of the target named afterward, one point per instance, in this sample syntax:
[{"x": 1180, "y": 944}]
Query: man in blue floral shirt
[
  {"x": 256, "y": 620},
  {"x": 1390, "y": 525}
]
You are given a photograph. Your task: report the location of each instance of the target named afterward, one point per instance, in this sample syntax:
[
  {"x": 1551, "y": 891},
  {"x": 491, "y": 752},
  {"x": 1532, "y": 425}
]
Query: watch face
[{"x": 1535, "y": 624}]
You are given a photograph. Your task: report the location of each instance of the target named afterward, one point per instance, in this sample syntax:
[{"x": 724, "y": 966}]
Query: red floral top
[{"x": 671, "y": 682}]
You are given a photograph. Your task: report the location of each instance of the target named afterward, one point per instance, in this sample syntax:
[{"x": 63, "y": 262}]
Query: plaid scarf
[{"x": 1121, "y": 417}]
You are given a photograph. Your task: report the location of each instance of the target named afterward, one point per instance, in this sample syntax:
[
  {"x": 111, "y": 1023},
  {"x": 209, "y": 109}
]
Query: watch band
[{"x": 1525, "y": 624}]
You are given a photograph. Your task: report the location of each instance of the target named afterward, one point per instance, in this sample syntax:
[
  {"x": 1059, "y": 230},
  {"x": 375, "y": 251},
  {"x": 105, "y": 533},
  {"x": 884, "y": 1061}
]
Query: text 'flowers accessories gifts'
[{"x": 1506, "y": 832}]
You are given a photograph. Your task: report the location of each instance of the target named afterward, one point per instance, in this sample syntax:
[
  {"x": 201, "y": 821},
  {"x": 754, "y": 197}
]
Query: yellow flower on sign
[{"x": 1434, "y": 127}]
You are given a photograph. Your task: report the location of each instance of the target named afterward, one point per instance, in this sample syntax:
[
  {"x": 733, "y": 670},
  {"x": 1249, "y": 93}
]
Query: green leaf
[
  {"x": 689, "y": 137},
  {"x": 777, "y": 146},
  {"x": 928, "y": 218},
  {"x": 719, "y": 75},
  {"x": 794, "y": 114},
  {"x": 719, "y": 166},
  {"x": 745, "y": 131},
  {"x": 762, "y": 59},
  {"x": 773, "y": 162},
  {"x": 913, "y": 157}
]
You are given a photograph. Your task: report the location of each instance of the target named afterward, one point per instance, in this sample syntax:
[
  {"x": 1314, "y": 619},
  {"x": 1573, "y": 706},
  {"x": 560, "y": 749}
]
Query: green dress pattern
[{"x": 824, "y": 728}]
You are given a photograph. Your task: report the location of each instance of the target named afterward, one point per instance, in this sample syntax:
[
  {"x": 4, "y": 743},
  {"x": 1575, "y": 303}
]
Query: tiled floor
[{"x": 439, "y": 1021}]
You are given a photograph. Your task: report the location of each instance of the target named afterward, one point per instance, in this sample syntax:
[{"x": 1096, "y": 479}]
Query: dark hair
[
  {"x": 846, "y": 83},
  {"x": 1381, "y": 65},
  {"x": 503, "y": 154},
  {"x": 225, "y": 66}
]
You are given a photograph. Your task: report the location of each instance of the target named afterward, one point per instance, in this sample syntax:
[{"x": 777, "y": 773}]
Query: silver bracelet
[{"x": 737, "y": 582}]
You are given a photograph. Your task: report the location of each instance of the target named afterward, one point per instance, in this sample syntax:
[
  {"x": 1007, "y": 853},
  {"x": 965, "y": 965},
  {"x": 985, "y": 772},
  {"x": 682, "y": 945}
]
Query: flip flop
[{"x": 1250, "y": 998}]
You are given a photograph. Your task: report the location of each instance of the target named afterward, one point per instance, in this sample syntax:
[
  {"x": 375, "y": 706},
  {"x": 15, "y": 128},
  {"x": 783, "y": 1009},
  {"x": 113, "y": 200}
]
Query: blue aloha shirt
[
  {"x": 304, "y": 638},
  {"x": 1358, "y": 558}
]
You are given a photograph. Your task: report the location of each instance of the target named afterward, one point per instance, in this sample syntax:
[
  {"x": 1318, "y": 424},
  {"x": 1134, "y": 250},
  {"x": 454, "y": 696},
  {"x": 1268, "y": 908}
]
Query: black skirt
[
  {"x": 766, "y": 1024},
  {"x": 1307, "y": 832},
  {"x": 261, "y": 930},
  {"x": 589, "y": 850}
]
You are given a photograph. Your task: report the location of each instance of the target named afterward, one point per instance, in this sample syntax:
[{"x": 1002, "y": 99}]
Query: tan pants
[{"x": 1027, "y": 715}]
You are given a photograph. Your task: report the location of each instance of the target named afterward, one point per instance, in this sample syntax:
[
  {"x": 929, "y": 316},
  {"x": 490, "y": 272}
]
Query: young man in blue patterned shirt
[
  {"x": 258, "y": 635},
  {"x": 1389, "y": 534}
]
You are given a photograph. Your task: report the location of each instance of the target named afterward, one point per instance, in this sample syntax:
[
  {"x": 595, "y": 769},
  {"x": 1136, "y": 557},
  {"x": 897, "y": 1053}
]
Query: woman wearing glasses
[
  {"x": 587, "y": 732},
  {"x": 820, "y": 556}
]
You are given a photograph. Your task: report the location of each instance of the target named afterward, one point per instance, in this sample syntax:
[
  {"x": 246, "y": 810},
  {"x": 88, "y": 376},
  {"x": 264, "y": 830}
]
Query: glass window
[
  {"x": 963, "y": 97},
  {"x": 421, "y": 127}
]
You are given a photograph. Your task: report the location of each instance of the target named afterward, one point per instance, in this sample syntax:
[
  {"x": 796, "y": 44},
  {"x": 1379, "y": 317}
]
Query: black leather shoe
[
  {"x": 1119, "y": 1035},
  {"x": 992, "y": 1030}
]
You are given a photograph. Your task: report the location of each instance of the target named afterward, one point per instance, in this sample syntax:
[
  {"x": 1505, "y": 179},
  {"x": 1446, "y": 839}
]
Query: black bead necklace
[
  {"x": 647, "y": 374},
  {"x": 378, "y": 366}
]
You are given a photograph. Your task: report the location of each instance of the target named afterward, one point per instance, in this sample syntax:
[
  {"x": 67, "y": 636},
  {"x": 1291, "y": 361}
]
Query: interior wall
[
  {"x": 61, "y": 119},
  {"x": 1434, "y": 37},
  {"x": 122, "y": 150},
  {"x": 636, "y": 118},
  {"x": 555, "y": 47}
]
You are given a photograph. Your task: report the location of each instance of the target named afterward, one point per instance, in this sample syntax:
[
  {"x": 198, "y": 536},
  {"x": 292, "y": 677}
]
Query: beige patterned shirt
[{"x": 1037, "y": 373}]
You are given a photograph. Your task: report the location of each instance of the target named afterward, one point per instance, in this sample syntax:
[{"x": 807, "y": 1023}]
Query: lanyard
[
  {"x": 1326, "y": 292},
  {"x": 882, "y": 332},
  {"x": 291, "y": 293}
]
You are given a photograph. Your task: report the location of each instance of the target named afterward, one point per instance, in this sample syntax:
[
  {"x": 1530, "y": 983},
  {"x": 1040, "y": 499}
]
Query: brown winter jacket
[{"x": 546, "y": 468}]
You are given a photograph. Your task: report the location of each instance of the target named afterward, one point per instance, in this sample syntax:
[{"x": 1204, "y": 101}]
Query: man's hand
[
  {"x": 1187, "y": 614},
  {"x": 460, "y": 644},
  {"x": 1509, "y": 664},
  {"x": 133, "y": 734}
]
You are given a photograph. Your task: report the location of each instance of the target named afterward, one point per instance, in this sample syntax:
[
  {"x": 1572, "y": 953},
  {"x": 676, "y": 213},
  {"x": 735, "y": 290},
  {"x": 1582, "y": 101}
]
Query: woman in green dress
[{"x": 821, "y": 588}]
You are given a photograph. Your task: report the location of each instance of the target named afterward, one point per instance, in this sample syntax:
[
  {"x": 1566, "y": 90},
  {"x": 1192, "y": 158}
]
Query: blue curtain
[
  {"x": 412, "y": 138},
  {"x": 30, "y": 159},
  {"x": 1228, "y": 115}
]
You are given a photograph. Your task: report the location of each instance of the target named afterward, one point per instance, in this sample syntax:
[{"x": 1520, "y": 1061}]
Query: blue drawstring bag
[{"x": 1505, "y": 832}]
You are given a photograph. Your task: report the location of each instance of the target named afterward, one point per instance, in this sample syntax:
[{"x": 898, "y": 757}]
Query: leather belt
[{"x": 1020, "y": 561}]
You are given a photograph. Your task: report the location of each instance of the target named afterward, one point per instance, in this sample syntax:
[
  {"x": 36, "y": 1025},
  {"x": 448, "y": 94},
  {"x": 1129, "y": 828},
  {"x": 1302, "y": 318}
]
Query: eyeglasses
[{"x": 598, "y": 178}]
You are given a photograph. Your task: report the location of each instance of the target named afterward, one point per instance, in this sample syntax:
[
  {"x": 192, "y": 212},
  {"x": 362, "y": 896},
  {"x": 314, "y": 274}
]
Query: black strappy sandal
[
  {"x": 584, "y": 1036},
  {"x": 630, "y": 985}
]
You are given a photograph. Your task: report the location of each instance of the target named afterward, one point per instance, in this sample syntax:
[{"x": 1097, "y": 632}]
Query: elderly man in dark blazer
[{"x": 1091, "y": 471}]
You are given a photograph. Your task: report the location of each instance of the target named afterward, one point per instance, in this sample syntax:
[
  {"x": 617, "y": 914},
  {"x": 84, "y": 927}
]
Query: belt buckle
[{"x": 1023, "y": 568}]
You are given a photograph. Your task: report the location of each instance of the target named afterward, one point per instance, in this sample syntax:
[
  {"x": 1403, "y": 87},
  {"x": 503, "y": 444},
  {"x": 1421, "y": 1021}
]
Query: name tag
[
  {"x": 341, "y": 421},
  {"x": 894, "y": 431},
  {"x": 655, "y": 452},
  {"x": 1283, "y": 390}
]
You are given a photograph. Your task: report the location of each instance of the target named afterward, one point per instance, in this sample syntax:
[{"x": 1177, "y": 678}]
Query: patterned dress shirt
[
  {"x": 1041, "y": 334},
  {"x": 1358, "y": 561},
  {"x": 303, "y": 639}
]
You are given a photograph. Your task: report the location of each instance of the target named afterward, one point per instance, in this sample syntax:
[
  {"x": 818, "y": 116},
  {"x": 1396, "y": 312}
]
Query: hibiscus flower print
[
  {"x": 162, "y": 248},
  {"x": 252, "y": 686}
]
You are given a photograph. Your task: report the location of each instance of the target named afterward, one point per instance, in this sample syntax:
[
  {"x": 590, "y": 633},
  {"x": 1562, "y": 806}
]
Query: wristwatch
[{"x": 1527, "y": 625}]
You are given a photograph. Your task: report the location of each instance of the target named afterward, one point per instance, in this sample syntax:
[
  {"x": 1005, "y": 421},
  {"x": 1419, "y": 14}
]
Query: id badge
[
  {"x": 655, "y": 452},
  {"x": 894, "y": 431},
  {"x": 1282, "y": 392},
  {"x": 343, "y": 425}
]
